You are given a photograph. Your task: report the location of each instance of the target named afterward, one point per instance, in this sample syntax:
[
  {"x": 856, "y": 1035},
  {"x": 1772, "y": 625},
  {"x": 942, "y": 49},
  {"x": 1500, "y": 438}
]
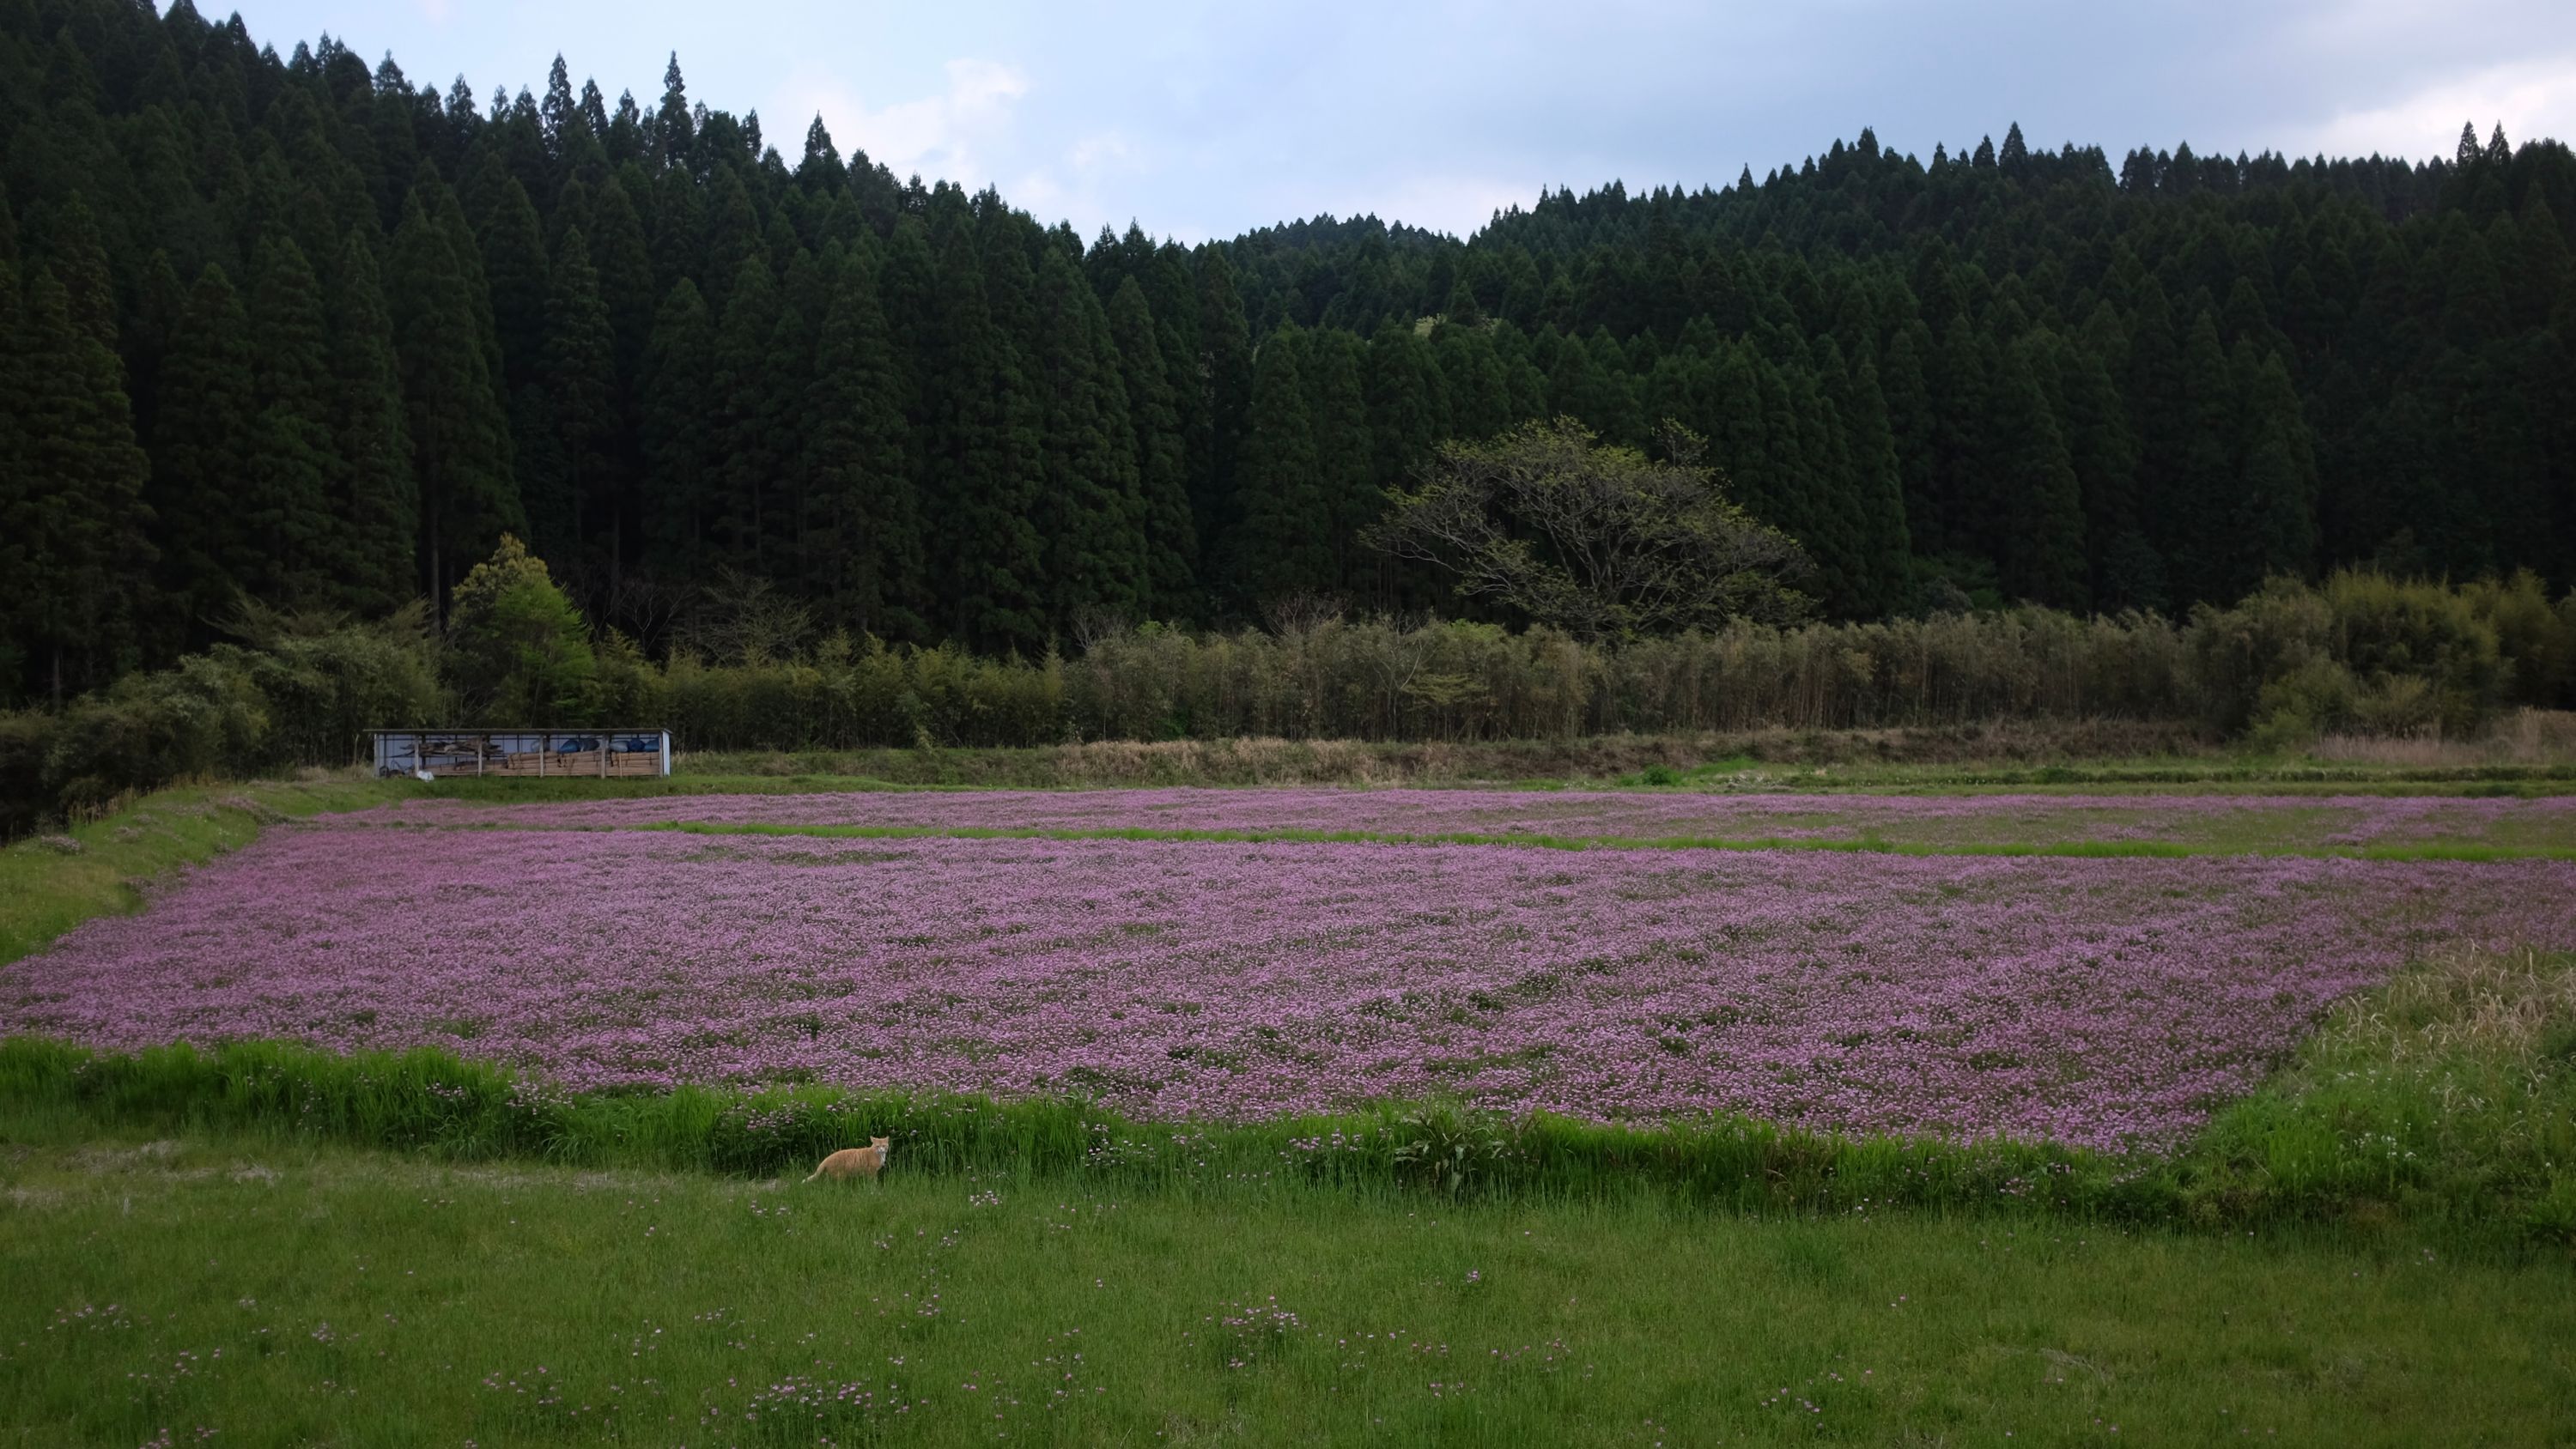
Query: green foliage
[
  {"x": 520, "y": 650},
  {"x": 298, "y": 698},
  {"x": 1596, "y": 540},
  {"x": 2362, "y": 655}
]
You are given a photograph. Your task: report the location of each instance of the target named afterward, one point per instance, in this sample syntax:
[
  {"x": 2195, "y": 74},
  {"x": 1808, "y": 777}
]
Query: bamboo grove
[{"x": 299, "y": 332}]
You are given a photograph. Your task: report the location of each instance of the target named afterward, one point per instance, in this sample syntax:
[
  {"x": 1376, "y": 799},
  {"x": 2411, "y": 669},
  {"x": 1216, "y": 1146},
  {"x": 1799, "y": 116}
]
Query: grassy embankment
[{"x": 203, "y": 1242}]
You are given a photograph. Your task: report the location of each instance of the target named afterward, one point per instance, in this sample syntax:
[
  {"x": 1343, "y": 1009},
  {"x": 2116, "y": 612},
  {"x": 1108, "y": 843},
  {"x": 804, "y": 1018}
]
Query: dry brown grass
[
  {"x": 1270, "y": 761},
  {"x": 2499, "y": 1005},
  {"x": 2525, "y": 737}
]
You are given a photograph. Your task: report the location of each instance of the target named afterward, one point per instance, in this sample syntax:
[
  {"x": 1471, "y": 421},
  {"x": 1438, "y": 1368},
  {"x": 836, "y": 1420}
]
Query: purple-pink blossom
[{"x": 2107, "y": 1003}]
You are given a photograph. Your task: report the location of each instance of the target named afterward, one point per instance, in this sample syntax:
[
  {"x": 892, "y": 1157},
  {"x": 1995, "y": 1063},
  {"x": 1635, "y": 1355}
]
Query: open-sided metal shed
[{"x": 528, "y": 754}]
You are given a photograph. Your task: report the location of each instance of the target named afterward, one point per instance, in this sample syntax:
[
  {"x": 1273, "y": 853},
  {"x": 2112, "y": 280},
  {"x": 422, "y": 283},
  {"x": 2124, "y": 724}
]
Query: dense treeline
[
  {"x": 2358, "y": 654},
  {"x": 298, "y": 331}
]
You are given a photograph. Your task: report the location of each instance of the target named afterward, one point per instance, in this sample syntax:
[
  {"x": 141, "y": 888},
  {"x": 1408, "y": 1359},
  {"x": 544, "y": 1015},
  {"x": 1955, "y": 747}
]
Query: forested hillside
[{"x": 300, "y": 331}]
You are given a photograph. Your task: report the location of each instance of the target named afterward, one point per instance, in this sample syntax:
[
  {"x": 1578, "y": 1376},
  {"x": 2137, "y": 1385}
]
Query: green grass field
[
  {"x": 2378, "y": 1248},
  {"x": 281, "y": 1292}
]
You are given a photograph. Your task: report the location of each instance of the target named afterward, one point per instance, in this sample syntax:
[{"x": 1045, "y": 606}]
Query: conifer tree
[
  {"x": 1217, "y": 425},
  {"x": 1408, "y": 412},
  {"x": 672, "y": 128},
  {"x": 77, "y": 257},
  {"x": 1881, "y": 539},
  {"x": 2123, "y": 569},
  {"x": 2033, "y": 514},
  {"x": 1348, "y": 498},
  {"x": 512, "y": 246},
  {"x": 860, "y": 533},
  {"x": 294, "y": 455},
  {"x": 580, "y": 383},
  {"x": 625, "y": 266},
  {"x": 988, "y": 572},
  {"x": 1090, "y": 503},
  {"x": 1480, "y": 397},
  {"x": 682, "y": 459},
  {"x": 752, "y": 455},
  {"x": 1911, "y": 424},
  {"x": 1162, "y": 466},
  {"x": 1281, "y": 547},
  {"x": 2271, "y": 526},
  {"x": 74, "y": 507},
  {"x": 374, "y": 499},
  {"x": 204, "y": 460},
  {"x": 2199, "y": 468},
  {"x": 462, "y": 457}
]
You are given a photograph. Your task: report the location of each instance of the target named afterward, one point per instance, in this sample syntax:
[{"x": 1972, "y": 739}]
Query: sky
[{"x": 1202, "y": 121}]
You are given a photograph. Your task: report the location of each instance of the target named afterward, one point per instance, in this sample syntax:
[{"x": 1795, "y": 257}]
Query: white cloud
[
  {"x": 2531, "y": 98},
  {"x": 940, "y": 137}
]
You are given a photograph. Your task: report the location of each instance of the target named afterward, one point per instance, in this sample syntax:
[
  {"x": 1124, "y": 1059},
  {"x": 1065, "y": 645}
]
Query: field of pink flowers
[
  {"x": 2226, "y": 821},
  {"x": 2107, "y": 1003}
]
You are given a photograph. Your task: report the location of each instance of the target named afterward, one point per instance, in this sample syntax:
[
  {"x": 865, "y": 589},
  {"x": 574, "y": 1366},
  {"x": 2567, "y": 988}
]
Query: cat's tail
[{"x": 817, "y": 1172}]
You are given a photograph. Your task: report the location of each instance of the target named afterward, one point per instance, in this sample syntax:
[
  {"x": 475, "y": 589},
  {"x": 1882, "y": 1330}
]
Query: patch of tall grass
[{"x": 2449, "y": 1093}]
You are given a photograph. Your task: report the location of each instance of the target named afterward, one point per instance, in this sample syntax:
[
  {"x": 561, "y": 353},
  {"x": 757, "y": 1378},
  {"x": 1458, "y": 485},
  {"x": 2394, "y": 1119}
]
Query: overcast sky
[{"x": 1204, "y": 120}]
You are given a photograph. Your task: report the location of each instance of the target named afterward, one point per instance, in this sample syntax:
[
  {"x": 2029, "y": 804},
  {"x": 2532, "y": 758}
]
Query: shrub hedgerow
[{"x": 2361, "y": 653}]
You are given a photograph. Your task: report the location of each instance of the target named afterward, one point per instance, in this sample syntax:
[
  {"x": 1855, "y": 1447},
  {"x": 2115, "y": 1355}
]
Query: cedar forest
[{"x": 299, "y": 332}]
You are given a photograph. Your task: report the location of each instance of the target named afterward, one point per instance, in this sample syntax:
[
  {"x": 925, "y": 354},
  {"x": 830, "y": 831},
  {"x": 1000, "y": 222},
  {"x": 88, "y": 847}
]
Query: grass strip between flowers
[{"x": 2091, "y": 849}]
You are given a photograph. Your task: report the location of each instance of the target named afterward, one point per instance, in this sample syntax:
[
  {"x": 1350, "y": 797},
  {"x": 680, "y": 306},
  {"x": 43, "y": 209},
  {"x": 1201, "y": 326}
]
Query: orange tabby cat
[{"x": 852, "y": 1162}]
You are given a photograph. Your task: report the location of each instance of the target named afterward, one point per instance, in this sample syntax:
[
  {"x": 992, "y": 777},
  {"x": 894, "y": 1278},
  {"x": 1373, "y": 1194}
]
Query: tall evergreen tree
[
  {"x": 2034, "y": 505},
  {"x": 462, "y": 458},
  {"x": 374, "y": 498},
  {"x": 1216, "y": 426},
  {"x": 74, "y": 509},
  {"x": 204, "y": 461},
  {"x": 683, "y": 460},
  {"x": 1090, "y": 503},
  {"x": 1162, "y": 466},
  {"x": 287, "y": 511},
  {"x": 1282, "y": 547},
  {"x": 1348, "y": 498},
  {"x": 77, "y": 256},
  {"x": 1878, "y": 490},
  {"x": 753, "y": 455},
  {"x": 860, "y": 528},
  {"x": 981, "y": 475},
  {"x": 580, "y": 383}
]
